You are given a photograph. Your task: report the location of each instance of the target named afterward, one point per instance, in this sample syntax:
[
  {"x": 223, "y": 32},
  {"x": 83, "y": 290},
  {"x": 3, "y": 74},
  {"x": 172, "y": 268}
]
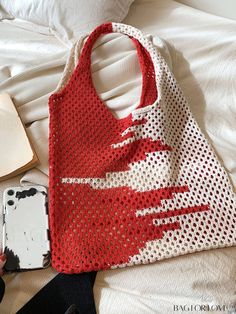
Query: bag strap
[
  {"x": 83, "y": 65},
  {"x": 144, "y": 41}
]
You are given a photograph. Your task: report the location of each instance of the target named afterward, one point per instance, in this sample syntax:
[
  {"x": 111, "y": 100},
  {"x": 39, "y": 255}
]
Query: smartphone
[{"x": 25, "y": 228}]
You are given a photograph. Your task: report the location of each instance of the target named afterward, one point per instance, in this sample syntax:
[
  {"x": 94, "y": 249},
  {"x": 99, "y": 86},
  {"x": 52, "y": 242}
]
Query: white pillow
[
  {"x": 3, "y": 13},
  {"x": 68, "y": 19}
]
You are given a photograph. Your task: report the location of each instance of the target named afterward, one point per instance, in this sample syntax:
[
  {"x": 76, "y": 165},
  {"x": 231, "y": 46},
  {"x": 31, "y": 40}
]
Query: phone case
[{"x": 25, "y": 228}]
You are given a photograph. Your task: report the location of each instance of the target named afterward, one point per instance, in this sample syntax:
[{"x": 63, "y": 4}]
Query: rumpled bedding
[{"x": 200, "y": 50}]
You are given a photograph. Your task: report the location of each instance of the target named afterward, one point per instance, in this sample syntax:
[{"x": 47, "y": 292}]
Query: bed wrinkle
[
  {"x": 122, "y": 57},
  {"x": 178, "y": 298}
]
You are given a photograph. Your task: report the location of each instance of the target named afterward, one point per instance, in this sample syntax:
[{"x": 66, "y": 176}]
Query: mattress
[{"x": 200, "y": 50}]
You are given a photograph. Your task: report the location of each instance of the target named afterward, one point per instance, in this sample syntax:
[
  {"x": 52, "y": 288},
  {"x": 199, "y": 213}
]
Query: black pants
[
  {"x": 2, "y": 288},
  {"x": 65, "y": 294}
]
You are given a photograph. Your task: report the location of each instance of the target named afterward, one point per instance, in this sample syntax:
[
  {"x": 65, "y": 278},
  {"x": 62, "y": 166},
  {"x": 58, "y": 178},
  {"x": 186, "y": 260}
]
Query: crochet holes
[{"x": 135, "y": 190}]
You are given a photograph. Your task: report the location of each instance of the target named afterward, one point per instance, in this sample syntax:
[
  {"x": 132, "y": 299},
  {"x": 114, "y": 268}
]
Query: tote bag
[{"x": 134, "y": 190}]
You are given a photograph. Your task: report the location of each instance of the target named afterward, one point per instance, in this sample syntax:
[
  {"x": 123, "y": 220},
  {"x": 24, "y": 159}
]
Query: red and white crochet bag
[{"x": 133, "y": 190}]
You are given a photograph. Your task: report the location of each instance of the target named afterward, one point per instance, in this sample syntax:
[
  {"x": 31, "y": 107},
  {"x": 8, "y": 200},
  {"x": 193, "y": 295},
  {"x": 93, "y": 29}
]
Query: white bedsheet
[{"x": 202, "y": 49}]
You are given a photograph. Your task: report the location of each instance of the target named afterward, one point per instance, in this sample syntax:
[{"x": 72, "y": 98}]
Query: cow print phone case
[{"x": 25, "y": 228}]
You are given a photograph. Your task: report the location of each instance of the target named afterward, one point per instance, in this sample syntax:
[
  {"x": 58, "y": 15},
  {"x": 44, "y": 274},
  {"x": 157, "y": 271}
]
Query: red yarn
[{"x": 97, "y": 227}]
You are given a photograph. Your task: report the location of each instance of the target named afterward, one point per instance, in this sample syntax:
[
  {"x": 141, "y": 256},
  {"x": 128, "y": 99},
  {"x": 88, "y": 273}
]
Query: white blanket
[{"x": 201, "y": 53}]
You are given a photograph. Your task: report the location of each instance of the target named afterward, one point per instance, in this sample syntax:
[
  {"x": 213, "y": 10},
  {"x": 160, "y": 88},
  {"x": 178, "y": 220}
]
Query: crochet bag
[{"x": 133, "y": 190}]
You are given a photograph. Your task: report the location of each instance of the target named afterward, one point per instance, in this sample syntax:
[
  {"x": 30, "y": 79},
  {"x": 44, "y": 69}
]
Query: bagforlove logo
[{"x": 198, "y": 308}]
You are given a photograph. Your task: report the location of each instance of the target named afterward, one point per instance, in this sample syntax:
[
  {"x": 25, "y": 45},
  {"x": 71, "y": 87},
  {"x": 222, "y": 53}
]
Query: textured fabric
[
  {"x": 64, "y": 293},
  {"x": 133, "y": 190}
]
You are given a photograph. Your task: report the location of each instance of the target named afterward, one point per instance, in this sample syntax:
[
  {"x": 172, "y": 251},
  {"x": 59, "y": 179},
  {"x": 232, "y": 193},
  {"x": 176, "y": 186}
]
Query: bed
[{"x": 200, "y": 50}]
